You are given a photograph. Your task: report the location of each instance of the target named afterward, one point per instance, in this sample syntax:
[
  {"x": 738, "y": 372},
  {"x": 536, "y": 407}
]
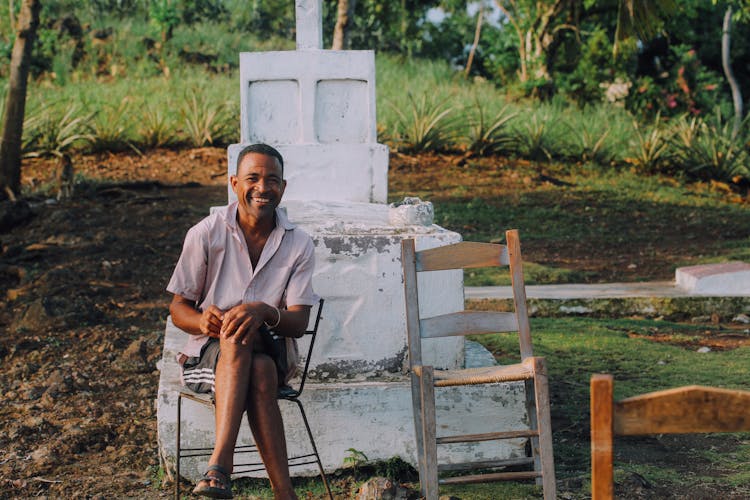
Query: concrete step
[{"x": 581, "y": 291}]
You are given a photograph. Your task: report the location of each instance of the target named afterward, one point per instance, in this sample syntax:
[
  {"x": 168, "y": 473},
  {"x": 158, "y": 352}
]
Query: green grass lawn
[
  {"x": 575, "y": 349},
  {"x": 608, "y": 225}
]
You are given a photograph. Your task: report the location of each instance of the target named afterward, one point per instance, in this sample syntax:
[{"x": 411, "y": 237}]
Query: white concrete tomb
[{"x": 318, "y": 108}]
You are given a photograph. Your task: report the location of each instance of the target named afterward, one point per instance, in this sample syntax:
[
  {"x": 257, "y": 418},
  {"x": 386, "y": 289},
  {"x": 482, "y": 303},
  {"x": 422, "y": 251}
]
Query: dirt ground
[{"x": 82, "y": 312}]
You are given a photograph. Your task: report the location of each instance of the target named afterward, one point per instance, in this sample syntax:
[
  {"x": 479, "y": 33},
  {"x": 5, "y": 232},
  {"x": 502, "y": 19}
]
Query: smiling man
[{"x": 243, "y": 291}]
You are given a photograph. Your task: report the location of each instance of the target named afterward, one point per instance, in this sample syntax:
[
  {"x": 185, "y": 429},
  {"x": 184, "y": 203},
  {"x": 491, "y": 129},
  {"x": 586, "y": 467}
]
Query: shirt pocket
[{"x": 270, "y": 284}]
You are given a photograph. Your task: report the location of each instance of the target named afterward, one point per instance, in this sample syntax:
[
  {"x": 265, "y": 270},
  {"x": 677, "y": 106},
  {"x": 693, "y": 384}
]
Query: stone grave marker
[{"x": 318, "y": 108}]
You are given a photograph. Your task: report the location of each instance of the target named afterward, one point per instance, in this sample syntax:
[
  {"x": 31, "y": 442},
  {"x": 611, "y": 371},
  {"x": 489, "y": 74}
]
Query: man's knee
[
  {"x": 263, "y": 377},
  {"x": 234, "y": 352}
]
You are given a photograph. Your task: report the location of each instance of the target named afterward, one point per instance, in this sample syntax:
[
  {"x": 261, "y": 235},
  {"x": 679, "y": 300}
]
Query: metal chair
[
  {"x": 425, "y": 379},
  {"x": 286, "y": 393},
  {"x": 683, "y": 410}
]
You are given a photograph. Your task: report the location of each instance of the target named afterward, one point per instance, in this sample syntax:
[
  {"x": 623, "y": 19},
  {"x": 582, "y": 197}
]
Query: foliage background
[{"x": 136, "y": 74}]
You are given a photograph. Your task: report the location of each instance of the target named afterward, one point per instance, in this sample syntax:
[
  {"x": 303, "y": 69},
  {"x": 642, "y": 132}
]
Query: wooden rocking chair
[
  {"x": 424, "y": 379},
  {"x": 684, "y": 410}
]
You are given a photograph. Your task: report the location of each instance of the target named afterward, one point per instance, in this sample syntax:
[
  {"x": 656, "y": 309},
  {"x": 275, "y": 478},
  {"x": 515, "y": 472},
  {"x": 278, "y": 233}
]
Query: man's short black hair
[{"x": 263, "y": 149}]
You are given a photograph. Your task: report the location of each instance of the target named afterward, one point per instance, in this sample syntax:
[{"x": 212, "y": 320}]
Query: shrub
[
  {"x": 112, "y": 127},
  {"x": 684, "y": 86},
  {"x": 707, "y": 149},
  {"x": 493, "y": 137},
  {"x": 427, "y": 125},
  {"x": 205, "y": 122},
  {"x": 649, "y": 149},
  {"x": 48, "y": 134}
]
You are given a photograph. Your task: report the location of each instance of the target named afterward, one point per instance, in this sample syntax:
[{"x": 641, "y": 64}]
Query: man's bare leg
[
  {"x": 268, "y": 428},
  {"x": 231, "y": 384}
]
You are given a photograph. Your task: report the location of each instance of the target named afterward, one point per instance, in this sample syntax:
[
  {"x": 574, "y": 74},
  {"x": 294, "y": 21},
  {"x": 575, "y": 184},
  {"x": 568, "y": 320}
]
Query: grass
[
  {"x": 642, "y": 227},
  {"x": 441, "y": 111},
  {"x": 435, "y": 113},
  {"x": 575, "y": 349}
]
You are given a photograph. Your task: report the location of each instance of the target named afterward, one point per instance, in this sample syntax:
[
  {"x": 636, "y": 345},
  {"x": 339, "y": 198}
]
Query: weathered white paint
[
  {"x": 724, "y": 279},
  {"x": 309, "y": 16},
  {"x": 330, "y": 173},
  {"x": 411, "y": 211},
  {"x": 281, "y": 87},
  {"x": 374, "y": 417},
  {"x": 358, "y": 272},
  {"x": 318, "y": 108}
]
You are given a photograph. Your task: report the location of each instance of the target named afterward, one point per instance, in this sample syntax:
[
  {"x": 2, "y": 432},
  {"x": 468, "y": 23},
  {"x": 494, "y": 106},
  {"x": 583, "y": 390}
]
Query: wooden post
[
  {"x": 429, "y": 434},
  {"x": 601, "y": 437},
  {"x": 15, "y": 103}
]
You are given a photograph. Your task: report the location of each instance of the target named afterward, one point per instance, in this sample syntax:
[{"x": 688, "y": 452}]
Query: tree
[
  {"x": 743, "y": 15},
  {"x": 641, "y": 18},
  {"x": 736, "y": 95},
  {"x": 539, "y": 26},
  {"x": 344, "y": 14},
  {"x": 15, "y": 104},
  {"x": 475, "y": 44}
]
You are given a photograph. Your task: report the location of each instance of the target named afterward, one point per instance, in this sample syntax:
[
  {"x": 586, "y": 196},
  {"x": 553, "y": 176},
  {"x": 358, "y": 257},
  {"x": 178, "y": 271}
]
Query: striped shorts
[{"x": 198, "y": 373}]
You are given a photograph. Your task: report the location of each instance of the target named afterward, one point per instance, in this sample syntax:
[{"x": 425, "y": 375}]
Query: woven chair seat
[{"x": 483, "y": 375}]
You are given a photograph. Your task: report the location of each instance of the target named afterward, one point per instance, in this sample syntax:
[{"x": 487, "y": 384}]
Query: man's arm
[{"x": 187, "y": 317}]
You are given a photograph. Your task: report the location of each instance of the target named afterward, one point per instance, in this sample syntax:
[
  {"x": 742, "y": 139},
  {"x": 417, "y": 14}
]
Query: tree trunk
[
  {"x": 12, "y": 16},
  {"x": 736, "y": 94},
  {"x": 477, "y": 35},
  {"x": 15, "y": 104},
  {"x": 344, "y": 14}
]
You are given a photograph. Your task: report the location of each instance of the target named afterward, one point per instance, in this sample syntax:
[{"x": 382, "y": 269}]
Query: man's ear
[
  {"x": 283, "y": 186},
  {"x": 233, "y": 183}
]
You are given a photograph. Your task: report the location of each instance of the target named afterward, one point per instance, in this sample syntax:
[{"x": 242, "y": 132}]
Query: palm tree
[{"x": 641, "y": 18}]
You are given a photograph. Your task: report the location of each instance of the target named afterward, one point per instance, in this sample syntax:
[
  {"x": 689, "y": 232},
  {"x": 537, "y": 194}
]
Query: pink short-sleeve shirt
[{"x": 215, "y": 268}]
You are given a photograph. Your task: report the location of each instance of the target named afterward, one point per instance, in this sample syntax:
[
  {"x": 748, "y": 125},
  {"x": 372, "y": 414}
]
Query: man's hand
[
  {"x": 241, "y": 322},
  {"x": 211, "y": 321}
]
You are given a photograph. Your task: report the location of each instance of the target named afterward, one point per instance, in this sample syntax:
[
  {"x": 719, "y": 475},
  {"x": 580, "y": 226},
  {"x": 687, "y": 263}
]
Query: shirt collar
[{"x": 230, "y": 217}]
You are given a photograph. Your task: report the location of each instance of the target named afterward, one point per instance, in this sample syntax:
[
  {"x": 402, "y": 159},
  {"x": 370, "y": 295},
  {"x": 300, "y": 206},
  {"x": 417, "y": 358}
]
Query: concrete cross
[{"x": 309, "y": 18}]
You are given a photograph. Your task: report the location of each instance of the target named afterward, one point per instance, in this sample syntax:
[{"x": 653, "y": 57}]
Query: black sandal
[{"x": 205, "y": 489}]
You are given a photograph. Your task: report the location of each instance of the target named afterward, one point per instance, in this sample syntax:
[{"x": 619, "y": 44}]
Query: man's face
[{"x": 258, "y": 185}]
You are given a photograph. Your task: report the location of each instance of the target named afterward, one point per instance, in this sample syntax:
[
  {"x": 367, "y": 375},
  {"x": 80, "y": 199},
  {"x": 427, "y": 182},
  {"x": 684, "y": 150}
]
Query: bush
[
  {"x": 707, "y": 149},
  {"x": 428, "y": 124},
  {"x": 685, "y": 86},
  {"x": 490, "y": 137},
  {"x": 48, "y": 132},
  {"x": 649, "y": 149}
]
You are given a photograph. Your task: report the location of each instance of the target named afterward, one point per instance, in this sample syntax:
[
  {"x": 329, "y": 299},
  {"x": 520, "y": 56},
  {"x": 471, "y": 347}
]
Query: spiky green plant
[
  {"x": 591, "y": 131},
  {"x": 427, "y": 126},
  {"x": 112, "y": 128},
  {"x": 48, "y": 133},
  {"x": 532, "y": 137},
  {"x": 649, "y": 149},
  {"x": 490, "y": 137},
  {"x": 709, "y": 148},
  {"x": 155, "y": 129},
  {"x": 205, "y": 122}
]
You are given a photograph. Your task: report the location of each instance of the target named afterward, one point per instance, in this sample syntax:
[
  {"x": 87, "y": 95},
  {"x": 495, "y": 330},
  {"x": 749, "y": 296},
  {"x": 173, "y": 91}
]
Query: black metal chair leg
[
  {"x": 179, "y": 452},
  {"x": 315, "y": 448}
]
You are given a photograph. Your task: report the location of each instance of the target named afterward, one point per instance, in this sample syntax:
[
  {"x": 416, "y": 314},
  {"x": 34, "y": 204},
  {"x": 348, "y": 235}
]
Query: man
[{"x": 245, "y": 271}]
